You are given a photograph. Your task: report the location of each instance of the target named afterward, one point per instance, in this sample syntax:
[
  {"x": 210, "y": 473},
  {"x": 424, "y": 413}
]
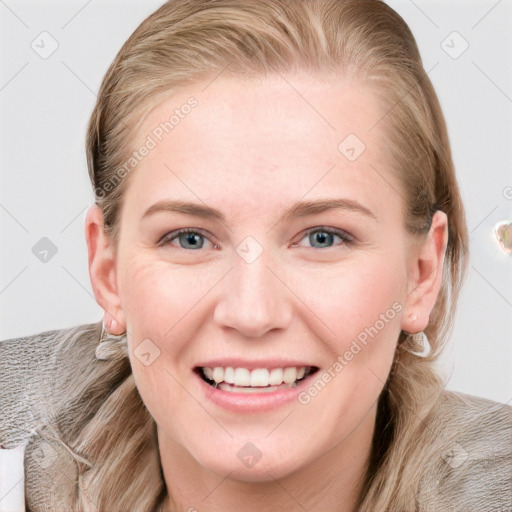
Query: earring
[
  {"x": 110, "y": 345},
  {"x": 420, "y": 339}
]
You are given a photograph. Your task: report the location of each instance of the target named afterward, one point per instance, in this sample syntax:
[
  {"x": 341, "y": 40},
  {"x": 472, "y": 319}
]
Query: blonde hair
[{"x": 187, "y": 41}]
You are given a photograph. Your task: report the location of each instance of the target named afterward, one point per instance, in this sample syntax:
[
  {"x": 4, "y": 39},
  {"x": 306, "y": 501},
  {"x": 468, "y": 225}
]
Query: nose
[{"x": 254, "y": 300}]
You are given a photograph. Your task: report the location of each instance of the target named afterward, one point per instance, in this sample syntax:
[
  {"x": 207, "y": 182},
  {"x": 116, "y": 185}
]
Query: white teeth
[
  {"x": 242, "y": 377},
  {"x": 235, "y": 389},
  {"x": 257, "y": 378},
  {"x": 229, "y": 375},
  {"x": 290, "y": 375},
  {"x": 276, "y": 377},
  {"x": 218, "y": 374}
]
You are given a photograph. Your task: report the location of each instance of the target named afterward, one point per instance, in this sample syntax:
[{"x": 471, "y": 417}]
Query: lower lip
[{"x": 251, "y": 402}]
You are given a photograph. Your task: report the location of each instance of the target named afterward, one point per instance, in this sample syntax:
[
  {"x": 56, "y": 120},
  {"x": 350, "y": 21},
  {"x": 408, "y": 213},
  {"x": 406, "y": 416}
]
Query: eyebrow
[
  {"x": 305, "y": 208},
  {"x": 297, "y": 210}
]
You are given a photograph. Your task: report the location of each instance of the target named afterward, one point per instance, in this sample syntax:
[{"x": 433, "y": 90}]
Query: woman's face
[{"x": 297, "y": 257}]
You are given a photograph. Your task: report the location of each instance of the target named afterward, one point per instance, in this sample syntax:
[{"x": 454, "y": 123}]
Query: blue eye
[
  {"x": 319, "y": 238},
  {"x": 324, "y": 237},
  {"x": 187, "y": 238}
]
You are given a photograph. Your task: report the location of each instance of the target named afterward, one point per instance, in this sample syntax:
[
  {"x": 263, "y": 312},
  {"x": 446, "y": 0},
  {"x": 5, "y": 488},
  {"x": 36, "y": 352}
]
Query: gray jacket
[{"x": 473, "y": 473}]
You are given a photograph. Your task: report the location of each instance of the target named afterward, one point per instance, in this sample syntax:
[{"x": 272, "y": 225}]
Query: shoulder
[
  {"x": 468, "y": 463},
  {"x": 41, "y": 377},
  {"x": 35, "y": 371}
]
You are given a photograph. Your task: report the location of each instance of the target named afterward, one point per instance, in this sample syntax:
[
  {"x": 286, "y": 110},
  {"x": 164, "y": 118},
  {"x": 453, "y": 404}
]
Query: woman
[{"x": 278, "y": 242}]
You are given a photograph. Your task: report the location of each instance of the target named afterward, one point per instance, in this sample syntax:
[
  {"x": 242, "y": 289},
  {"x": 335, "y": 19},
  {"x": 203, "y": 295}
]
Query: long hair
[{"x": 186, "y": 41}]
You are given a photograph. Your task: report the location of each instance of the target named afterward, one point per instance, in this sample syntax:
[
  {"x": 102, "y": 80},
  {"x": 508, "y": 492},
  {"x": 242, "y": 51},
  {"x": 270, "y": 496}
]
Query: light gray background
[{"x": 44, "y": 188}]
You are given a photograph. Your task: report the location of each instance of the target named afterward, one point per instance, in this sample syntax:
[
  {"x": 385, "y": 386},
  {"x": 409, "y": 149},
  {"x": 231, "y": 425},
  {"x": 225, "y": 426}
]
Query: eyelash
[
  {"x": 343, "y": 235},
  {"x": 169, "y": 237}
]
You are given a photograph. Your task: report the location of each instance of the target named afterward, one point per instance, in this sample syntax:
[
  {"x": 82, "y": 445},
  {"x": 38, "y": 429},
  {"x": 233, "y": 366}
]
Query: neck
[{"x": 330, "y": 482}]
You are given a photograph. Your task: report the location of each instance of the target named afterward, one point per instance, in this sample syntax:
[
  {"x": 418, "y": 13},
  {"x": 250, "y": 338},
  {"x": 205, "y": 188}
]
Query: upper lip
[{"x": 251, "y": 365}]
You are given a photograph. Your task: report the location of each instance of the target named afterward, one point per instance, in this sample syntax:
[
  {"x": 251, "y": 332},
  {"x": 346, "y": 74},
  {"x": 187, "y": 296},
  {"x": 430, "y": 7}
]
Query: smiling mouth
[{"x": 259, "y": 380}]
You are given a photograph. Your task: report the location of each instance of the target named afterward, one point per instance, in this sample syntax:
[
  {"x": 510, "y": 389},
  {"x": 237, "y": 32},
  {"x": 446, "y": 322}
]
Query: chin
[{"x": 248, "y": 463}]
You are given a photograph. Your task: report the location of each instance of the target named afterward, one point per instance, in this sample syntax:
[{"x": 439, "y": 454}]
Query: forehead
[{"x": 283, "y": 136}]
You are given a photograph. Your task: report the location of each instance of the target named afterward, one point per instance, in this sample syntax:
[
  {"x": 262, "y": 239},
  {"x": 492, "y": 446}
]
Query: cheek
[
  {"x": 157, "y": 296},
  {"x": 361, "y": 300},
  {"x": 160, "y": 304},
  {"x": 166, "y": 305}
]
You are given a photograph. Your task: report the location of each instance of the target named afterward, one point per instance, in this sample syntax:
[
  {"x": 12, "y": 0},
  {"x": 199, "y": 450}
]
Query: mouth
[{"x": 258, "y": 380}]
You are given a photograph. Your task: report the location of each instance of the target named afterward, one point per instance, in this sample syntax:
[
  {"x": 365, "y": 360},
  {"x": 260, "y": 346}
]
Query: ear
[
  {"x": 425, "y": 275},
  {"x": 102, "y": 271}
]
